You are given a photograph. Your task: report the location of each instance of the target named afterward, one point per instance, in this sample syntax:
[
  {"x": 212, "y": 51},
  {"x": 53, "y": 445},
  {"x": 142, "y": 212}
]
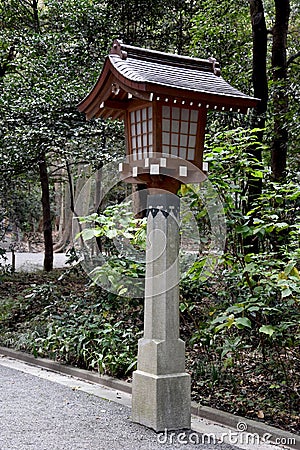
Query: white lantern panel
[
  {"x": 174, "y": 139},
  {"x": 191, "y": 154},
  {"x": 174, "y": 151},
  {"x": 194, "y": 116},
  {"x": 183, "y": 140},
  {"x": 145, "y": 140},
  {"x": 141, "y": 127},
  {"x": 166, "y": 125},
  {"x": 166, "y": 112},
  {"x": 185, "y": 114},
  {"x": 175, "y": 126},
  {"x": 182, "y": 153},
  {"x": 133, "y": 143},
  {"x": 193, "y": 128},
  {"x": 166, "y": 138},
  {"x": 192, "y": 141},
  {"x": 175, "y": 113},
  {"x": 144, "y": 127},
  {"x": 184, "y": 127}
]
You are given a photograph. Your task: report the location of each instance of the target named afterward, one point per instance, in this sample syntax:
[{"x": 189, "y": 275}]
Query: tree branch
[
  {"x": 292, "y": 58},
  {"x": 27, "y": 2},
  {"x": 27, "y": 6}
]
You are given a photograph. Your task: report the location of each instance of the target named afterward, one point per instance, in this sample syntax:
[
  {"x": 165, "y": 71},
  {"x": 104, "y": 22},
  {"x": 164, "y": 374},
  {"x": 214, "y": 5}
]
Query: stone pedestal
[{"x": 161, "y": 389}]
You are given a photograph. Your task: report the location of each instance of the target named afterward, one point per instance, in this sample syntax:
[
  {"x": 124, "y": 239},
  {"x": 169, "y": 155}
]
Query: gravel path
[
  {"x": 37, "y": 414},
  {"x": 30, "y": 262}
]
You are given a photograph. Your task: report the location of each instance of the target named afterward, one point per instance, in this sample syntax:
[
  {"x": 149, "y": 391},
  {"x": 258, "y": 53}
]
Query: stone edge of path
[{"x": 205, "y": 412}]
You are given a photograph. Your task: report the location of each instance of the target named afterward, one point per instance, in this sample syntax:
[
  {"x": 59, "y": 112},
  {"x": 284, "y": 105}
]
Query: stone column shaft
[{"x": 161, "y": 388}]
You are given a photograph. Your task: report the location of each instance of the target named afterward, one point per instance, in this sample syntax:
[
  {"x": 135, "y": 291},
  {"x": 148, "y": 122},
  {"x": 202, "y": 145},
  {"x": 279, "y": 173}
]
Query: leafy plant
[{"x": 123, "y": 263}]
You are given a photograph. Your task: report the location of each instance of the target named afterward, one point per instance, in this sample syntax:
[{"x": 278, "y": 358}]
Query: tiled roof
[
  {"x": 174, "y": 71},
  {"x": 136, "y": 73}
]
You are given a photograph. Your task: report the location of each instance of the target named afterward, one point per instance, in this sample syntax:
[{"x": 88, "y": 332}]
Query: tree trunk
[
  {"x": 47, "y": 225},
  {"x": 72, "y": 193},
  {"x": 5, "y": 62},
  {"x": 259, "y": 62},
  {"x": 62, "y": 206},
  {"x": 280, "y": 98},
  {"x": 35, "y": 13},
  {"x": 260, "y": 86},
  {"x": 67, "y": 217}
]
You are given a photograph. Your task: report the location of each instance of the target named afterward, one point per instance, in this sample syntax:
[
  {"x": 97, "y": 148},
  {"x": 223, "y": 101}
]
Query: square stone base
[{"x": 161, "y": 401}]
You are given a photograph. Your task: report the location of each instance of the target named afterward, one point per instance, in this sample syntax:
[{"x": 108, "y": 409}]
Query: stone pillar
[{"x": 161, "y": 397}]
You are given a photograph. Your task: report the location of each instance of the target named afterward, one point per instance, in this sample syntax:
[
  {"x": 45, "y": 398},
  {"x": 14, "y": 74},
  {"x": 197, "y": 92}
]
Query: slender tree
[
  {"x": 47, "y": 219},
  {"x": 280, "y": 97},
  {"x": 260, "y": 87}
]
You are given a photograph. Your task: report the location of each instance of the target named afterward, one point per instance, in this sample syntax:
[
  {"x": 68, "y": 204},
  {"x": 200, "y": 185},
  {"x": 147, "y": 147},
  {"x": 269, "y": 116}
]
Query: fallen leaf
[{"x": 260, "y": 414}]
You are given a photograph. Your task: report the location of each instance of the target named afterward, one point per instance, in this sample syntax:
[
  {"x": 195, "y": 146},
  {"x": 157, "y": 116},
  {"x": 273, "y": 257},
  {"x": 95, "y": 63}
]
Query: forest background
[{"x": 241, "y": 324}]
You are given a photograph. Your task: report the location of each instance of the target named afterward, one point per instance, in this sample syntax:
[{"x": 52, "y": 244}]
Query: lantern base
[{"x": 161, "y": 402}]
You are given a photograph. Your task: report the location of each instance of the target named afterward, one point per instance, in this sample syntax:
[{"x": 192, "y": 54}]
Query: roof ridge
[{"x": 125, "y": 51}]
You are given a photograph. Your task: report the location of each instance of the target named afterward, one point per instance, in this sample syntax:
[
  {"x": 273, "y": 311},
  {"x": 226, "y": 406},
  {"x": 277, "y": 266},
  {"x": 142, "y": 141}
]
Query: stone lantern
[{"x": 163, "y": 100}]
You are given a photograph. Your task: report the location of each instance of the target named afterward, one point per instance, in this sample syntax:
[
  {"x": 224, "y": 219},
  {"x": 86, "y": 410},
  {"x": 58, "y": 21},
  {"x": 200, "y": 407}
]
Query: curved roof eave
[
  {"x": 146, "y": 79},
  {"x": 96, "y": 89}
]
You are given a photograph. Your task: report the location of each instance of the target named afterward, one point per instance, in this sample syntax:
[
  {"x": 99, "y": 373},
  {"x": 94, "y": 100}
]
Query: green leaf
[
  {"x": 242, "y": 322},
  {"x": 111, "y": 233},
  {"x": 123, "y": 291},
  {"x": 133, "y": 364},
  {"x": 281, "y": 225},
  {"x": 128, "y": 235},
  {"x": 220, "y": 327},
  {"x": 288, "y": 269},
  {"x": 267, "y": 329},
  {"x": 257, "y": 174},
  {"x": 182, "y": 307},
  {"x": 88, "y": 234},
  {"x": 286, "y": 292}
]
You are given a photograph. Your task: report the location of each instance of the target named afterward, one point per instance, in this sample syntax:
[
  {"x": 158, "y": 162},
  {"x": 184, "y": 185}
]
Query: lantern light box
[{"x": 163, "y": 100}]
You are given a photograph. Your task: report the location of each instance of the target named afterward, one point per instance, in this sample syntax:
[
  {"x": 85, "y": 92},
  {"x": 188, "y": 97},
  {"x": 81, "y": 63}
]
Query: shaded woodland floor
[{"x": 58, "y": 315}]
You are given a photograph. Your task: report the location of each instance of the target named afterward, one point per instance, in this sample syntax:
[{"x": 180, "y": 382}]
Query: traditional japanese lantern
[{"x": 163, "y": 100}]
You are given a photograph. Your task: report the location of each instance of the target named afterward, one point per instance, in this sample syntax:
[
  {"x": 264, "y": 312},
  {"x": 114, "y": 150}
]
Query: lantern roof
[{"x": 136, "y": 74}]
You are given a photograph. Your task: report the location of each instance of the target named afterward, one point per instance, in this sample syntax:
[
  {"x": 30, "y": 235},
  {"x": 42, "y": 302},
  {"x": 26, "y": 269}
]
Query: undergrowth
[{"x": 67, "y": 320}]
